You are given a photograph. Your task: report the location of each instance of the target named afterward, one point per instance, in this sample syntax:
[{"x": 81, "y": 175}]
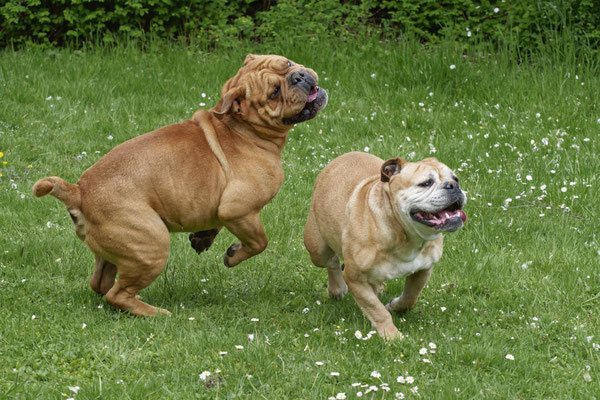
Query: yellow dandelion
[
  {"x": 4, "y": 162},
  {"x": 30, "y": 166},
  {"x": 1, "y": 154}
]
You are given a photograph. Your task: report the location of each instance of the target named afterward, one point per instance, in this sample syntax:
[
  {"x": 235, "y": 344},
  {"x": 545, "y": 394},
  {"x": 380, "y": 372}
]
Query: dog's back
[
  {"x": 333, "y": 190},
  {"x": 336, "y": 183}
]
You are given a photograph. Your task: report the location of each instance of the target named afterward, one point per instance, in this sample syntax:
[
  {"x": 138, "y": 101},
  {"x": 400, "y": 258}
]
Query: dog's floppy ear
[
  {"x": 391, "y": 167},
  {"x": 230, "y": 100}
]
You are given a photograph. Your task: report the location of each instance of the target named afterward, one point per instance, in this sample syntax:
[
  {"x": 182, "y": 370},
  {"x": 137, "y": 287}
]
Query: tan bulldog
[
  {"x": 385, "y": 220},
  {"x": 218, "y": 169}
]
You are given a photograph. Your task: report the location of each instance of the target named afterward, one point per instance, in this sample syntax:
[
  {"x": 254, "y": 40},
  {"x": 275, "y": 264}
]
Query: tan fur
[
  {"x": 218, "y": 169},
  {"x": 59, "y": 188},
  {"x": 358, "y": 214}
]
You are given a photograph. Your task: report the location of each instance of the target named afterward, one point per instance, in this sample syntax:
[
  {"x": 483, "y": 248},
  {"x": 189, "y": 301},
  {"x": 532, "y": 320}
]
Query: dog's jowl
[
  {"x": 385, "y": 220},
  {"x": 218, "y": 169}
]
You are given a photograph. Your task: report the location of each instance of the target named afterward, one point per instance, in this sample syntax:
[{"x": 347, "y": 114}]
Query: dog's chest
[{"x": 398, "y": 265}]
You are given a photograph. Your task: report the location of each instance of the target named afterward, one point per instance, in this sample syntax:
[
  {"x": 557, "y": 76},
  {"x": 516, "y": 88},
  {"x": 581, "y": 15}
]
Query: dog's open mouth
[
  {"x": 312, "y": 95},
  {"x": 315, "y": 102},
  {"x": 449, "y": 219}
]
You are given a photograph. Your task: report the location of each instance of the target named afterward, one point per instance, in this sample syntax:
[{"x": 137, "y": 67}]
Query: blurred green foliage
[{"x": 524, "y": 24}]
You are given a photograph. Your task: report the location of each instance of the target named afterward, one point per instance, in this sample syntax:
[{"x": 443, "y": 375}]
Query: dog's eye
[
  {"x": 427, "y": 183},
  {"x": 290, "y": 64},
  {"x": 455, "y": 179},
  {"x": 275, "y": 93}
]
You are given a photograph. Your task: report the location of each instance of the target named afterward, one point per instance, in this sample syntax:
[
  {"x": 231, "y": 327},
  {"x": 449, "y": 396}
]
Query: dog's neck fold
[{"x": 265, "y": 137}]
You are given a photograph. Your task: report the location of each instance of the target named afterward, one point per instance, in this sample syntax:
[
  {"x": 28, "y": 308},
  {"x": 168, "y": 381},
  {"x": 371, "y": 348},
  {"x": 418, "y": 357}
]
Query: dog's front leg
[
  {"x": 412, "y": 289},
  {"x": 252, "y": 235},
  {"x": 375, "y": 311}
]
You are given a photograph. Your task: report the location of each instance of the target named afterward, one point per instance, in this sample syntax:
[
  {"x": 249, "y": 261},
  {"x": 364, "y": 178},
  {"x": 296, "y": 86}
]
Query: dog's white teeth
[{"x": 447, "y": 216}]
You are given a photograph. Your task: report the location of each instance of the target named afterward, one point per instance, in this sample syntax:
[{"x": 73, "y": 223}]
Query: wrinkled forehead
[
  {"x": 256, "y": 68},
  {"x": 427, "y": 169},
  {"x": 277, "y": 64},
  {"x": 272, "y": 70}
]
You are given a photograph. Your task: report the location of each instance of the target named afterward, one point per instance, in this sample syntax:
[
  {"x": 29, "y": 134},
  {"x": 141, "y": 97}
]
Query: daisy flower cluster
[
  {"x": 211, "y": 379},
  {"x": 359, "y": 335},
  {"x": 404, "y": 385},
  {"x": 74, "y": 390},
  {"x": 425, "y": 351},
  {"x": 550, "y": 192},
  {"x": 377, "y": 386},
  {"x": 8, "y": 171}
]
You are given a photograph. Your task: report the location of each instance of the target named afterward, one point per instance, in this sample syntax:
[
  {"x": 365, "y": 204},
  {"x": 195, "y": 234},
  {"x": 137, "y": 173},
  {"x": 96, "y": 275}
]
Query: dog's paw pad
[
  {"x": 230, "y": 253},
  {"x": 202, "y": 240},
  {"x": 232, "y": 249},
  {"x": 163, "y": 312},
  {"x": 337, "y": 295}
]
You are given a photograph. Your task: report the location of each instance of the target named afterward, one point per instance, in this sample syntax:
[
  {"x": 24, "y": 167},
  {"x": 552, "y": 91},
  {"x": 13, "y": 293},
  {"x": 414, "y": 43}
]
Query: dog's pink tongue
[
  {"x": 444, "y": 216},
  {"x": 312, "y": 95}
]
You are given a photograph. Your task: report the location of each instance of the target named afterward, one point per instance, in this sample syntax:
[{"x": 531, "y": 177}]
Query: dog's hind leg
[
  {"x": 139, "y": 247},
  {"x": 123, "y": 294},
  {"x": 320, "y": 252},
  {"x": 104, "y": 275},
  {"x": 137, "y": 273},
  {"x": 323, "y": 256}
]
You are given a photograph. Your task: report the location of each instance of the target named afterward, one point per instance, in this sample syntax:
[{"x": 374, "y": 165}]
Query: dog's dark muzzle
[
  {"x": 302, "y": 79},
  {"x": 316, "y": 98}
]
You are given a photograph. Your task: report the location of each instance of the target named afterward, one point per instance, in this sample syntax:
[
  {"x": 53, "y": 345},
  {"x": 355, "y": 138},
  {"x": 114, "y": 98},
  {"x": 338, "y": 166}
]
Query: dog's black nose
[
  {"x": 297, "y": 77},
  {"x": 450, "y": 185},
  {"x": 301, "y": 78}
]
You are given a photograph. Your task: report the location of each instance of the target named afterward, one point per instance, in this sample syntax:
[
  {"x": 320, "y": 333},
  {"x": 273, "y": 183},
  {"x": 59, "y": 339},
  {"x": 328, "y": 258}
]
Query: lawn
[{"x": 512, "y": 309}]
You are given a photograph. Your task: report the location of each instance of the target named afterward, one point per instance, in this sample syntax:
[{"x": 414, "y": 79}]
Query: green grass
[{"x": 520, "y": 278}]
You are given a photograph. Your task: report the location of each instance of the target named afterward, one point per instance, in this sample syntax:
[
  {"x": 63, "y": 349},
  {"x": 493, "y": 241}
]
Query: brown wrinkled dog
[
  {"x": 385, "y": 220},
  {"x": 218, "y": 169}
]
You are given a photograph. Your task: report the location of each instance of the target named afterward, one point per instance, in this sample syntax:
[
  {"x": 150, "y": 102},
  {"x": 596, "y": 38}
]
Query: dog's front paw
[
  {"x": 337, "y": 293},
  {"x": 400, "y": 304},
  {"x": 390, "y": 333},
  {"x": 202, "y": 240},
  {"x": 230, "y": 253},
  {"x": 336, "y": 285}
]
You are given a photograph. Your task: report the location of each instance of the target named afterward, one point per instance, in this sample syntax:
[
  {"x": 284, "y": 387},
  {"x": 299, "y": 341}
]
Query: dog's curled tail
[
  {"x": 66, "y": 192},
  {"x": 69, "y": 194}
]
